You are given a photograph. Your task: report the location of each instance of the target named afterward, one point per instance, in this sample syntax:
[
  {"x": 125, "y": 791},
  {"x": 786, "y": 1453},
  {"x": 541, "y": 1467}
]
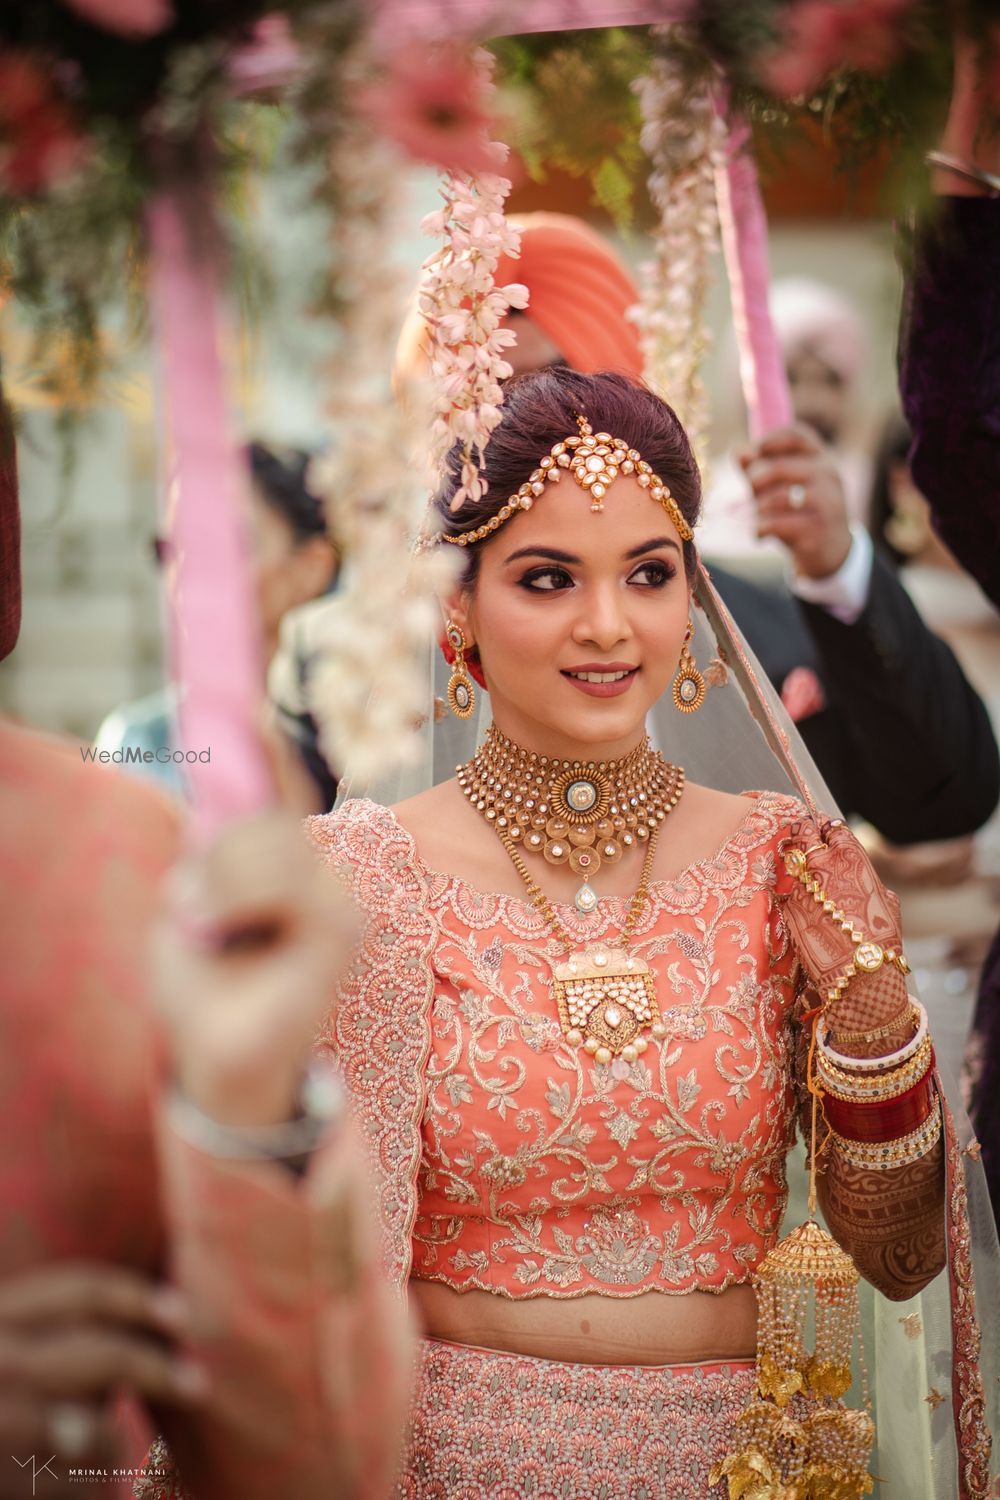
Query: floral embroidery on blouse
[{"x": 542, "y": 1172}]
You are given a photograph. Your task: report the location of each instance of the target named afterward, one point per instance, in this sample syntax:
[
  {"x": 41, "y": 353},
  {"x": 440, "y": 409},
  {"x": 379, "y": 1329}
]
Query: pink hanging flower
[
  {"x": 269, "y": 61},
  {"x": 38, "y": 139},
  {"x": 821, "y": 36},
  {"x": 432, "y": 103},
  {"x": 132, "y": 18}
]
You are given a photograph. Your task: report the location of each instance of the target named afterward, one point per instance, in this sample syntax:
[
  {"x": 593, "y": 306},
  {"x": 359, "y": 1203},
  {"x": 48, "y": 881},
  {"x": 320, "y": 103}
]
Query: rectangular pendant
[{"x": 605, "y": 995}]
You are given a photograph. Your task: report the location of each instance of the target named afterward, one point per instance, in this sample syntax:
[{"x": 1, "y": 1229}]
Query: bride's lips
[{"x": 618, "y": 677}]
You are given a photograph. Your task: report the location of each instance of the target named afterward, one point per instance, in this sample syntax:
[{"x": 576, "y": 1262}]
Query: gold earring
[
  {"x": 461, "y": 693},
  {"x": 689, "y": 685}
]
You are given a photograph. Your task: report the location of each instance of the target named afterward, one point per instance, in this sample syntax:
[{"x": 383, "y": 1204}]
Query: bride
[{"x": 576, "y": 1028}]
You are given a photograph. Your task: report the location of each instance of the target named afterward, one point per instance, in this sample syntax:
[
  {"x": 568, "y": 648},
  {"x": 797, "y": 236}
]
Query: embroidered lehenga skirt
[{"x": 489, "y": 1424}]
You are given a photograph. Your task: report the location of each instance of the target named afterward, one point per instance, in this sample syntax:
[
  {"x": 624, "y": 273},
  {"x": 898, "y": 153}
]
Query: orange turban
[{"x": 579, "y": 294}]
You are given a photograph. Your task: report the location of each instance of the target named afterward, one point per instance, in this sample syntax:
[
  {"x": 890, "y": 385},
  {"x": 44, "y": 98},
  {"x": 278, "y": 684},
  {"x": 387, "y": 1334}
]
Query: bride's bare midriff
[{"x": 651, "y": 1329}]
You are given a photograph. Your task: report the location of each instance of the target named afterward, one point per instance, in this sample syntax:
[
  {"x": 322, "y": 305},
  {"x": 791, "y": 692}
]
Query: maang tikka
[
  {"x": 689, "y": 684},
  {"x": 594, "y": 460},
  {"x": 461, "y": 693}
]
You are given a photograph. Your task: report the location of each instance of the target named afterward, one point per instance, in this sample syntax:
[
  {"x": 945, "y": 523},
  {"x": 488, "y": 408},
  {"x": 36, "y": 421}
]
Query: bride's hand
[
  {"x": 246, "y": 959},
  {"x": 830, "y": 854}
]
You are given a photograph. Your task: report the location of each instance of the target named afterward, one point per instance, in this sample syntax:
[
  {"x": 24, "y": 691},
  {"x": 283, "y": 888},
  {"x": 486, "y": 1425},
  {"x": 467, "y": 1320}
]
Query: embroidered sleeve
[{"x": 378, "y": 1027}]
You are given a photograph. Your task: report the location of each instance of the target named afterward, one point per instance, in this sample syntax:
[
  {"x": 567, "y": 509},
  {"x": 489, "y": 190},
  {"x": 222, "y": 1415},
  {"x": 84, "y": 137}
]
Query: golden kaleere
[{"x": 799, "y": 1442}]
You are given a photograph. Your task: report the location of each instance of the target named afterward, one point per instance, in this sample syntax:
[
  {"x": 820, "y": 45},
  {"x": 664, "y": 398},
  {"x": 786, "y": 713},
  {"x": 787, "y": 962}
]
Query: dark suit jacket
[
  {"x": 904, "y": 739},
  {"x": 949, "y": 380}
]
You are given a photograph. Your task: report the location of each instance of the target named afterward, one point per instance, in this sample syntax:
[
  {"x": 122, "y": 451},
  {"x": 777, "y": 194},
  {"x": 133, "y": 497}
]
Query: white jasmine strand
[
  {"x": 464, "y": 308},
  {"x": 683, "y": 137},
  {"x": 369, "y": 687}
]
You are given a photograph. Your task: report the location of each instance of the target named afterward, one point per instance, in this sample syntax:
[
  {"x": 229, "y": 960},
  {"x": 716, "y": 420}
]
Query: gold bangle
[
  {"x": 889, "y": 1029},
  {"x": 884, "y": 1156},
  {"x": 882, "y": 1088},
  {"x": 865, "y": 1088},
  {"x": 893, "y": 1064},
  {"x": 882, "y": 1062}
]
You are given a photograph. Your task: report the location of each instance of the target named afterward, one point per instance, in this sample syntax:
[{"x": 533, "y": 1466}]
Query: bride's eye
[
  {"x": 653, "y": 574},
  {"x": 545, "y": 580}
]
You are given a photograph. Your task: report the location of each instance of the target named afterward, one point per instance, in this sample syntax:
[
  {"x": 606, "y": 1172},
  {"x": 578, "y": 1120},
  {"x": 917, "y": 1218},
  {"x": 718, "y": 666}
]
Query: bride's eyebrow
[
  {"x": 651, "y": 546},
  {"x": 551, "y": 554}
]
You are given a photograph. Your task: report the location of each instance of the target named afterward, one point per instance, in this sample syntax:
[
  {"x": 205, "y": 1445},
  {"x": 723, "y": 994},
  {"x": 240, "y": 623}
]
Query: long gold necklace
[{"x": 605, "y": 995}]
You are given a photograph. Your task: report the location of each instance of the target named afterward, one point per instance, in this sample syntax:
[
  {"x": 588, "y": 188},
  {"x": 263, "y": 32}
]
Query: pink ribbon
[
  {"x": 744, "y": 243},
  {"x": 214, "y": 627},
  {"x": 401, "y": 21}
]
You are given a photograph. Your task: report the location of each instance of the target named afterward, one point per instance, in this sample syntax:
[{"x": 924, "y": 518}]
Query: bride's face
[{"x": 565, "y": 595}]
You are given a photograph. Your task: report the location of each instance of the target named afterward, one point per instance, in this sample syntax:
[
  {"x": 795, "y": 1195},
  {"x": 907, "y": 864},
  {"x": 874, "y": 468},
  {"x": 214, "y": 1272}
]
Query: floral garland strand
[
  {"x": 464, "y": 308},
  {"x": 685, "y": 140},
  {"x": 369, "y": 690}
]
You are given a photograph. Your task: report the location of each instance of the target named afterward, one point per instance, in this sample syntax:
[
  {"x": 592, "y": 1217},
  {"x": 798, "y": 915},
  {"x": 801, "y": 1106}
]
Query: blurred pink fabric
[
  {"x": 309, "y": 1376},
  {"x": 401, "y": 21}
]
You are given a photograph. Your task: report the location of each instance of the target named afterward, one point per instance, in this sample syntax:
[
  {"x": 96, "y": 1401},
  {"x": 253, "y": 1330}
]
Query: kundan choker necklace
[{"x": 584, "y": 814}]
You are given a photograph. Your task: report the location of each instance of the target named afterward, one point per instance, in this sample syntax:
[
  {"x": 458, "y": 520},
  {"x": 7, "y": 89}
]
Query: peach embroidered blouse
[{"x": 516, "y": 1163}]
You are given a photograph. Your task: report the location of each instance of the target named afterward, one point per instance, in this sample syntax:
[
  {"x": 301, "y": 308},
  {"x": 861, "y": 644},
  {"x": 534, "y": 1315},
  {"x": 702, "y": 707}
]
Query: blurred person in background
[
  {"x": 184, "y": 1226},
  {"x": 825, "y": 348},
  {"x": 857, "y": 668},
  {"x": 949, "y": 384},
  {"x": 293, "y": 561},
  {"x": 949, "y": 888},
  {"x": 948, "y": 597}
]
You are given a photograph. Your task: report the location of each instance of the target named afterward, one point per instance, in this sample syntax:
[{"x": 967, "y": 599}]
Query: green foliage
[
  {"x": 614, "y": 188},
  {"x": 152, "y": 113},
  {"x": 571, "y": 105},
  {"x": 71, "y": 254}
]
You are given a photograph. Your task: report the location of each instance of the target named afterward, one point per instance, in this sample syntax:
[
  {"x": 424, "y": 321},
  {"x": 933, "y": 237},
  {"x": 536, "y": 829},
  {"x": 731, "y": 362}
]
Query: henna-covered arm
[{"x": 890, "y": 1222}]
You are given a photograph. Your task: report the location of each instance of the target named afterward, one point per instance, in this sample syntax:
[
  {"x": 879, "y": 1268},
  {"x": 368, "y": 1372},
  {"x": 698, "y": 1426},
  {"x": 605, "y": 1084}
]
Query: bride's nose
[{"x": 602, "y": 620}]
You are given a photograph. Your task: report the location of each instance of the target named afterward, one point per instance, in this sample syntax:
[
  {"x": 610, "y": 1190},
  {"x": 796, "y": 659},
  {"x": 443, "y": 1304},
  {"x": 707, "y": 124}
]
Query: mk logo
[{"x": 36, "y": 1473}]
